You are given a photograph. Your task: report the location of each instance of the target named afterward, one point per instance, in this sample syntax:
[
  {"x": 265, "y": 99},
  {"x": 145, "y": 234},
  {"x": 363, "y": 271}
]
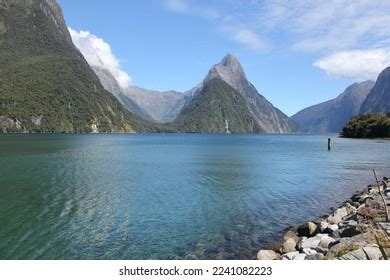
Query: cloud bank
[
  {"x": 98, "y": 53},
  {"x": 356, "y": 64}
]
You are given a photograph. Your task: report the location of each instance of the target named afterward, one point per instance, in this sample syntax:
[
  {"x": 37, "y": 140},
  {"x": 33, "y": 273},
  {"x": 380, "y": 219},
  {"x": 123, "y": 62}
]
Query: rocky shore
[{"x": 357, "y": 230}]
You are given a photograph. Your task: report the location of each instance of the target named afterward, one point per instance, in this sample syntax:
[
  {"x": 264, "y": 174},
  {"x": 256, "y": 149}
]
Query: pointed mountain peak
[
  {"x": 229, "y": 59},
  {"x": 229, "y": 70}
]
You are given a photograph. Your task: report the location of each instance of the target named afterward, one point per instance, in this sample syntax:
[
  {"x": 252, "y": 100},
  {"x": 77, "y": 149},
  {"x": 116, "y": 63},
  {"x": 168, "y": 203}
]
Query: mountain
[
  {"x": 111, "y": 84},
  {"x": 268, "y": 118},
  {"x": 332, "y": 115},
  {"x": 45, "y": 83},
  {"x": 216, "y": 108},
  {"x": 379, "y": 98},
  {"x": 163, "y": 107}
]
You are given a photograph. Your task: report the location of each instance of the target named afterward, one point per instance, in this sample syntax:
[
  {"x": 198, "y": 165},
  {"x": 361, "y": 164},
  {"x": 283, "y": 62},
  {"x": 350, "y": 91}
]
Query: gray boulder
[
  {"x": 290, "y": 256},
  {"x": 338, "y": 215}
]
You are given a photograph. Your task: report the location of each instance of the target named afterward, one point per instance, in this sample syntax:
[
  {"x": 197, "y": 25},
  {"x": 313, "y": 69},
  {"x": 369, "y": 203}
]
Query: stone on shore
[
  {"x": 350, "y": 231},
  {"x": 307, "y": 229},
  {"x": 309, "y": 251},
  {"x": 288, "y": 246},
  {"x": 312, "y": 242},
  {"x": 320, "y": 242},
  {"x": 299, "y": 257},
  {"x": 290, "y": 256},
  {"x": 266, "y": 255},
  {"x": 326, "y": 240},
  {"x": 291, "y": 234},
  {"x": 338, "y": 215}
]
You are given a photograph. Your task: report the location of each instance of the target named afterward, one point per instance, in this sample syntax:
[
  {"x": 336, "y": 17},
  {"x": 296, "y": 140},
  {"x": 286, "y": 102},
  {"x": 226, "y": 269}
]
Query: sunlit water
[{"x": 170, "y": 196}]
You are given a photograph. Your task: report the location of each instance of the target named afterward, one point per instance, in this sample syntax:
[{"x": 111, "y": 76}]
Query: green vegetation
[
  {"x": 45, "y": 83},
  {"x": 215, "y": 105},
  {"x": 374, "y": 125}
]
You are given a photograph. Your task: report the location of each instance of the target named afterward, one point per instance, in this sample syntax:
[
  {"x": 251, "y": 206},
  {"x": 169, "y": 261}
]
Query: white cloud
[
  {"x": 246, "y": 37},
  {"x": 98, "y": 53},
  {"x": 356, "y": 64}
]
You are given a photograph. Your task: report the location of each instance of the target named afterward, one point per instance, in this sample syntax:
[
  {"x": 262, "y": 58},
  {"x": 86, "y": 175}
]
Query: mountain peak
[
  {"x": 229, "y": 70},
  {"x": 229, "y": 59}
]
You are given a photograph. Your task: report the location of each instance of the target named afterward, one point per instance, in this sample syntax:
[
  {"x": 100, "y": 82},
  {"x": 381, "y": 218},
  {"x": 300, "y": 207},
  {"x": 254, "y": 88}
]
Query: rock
[
  {"x": 387, "y": 192},
  {"x": 290, "y": 256},
  {"x": 315, "y": 257},
  {"x": 331, "y": 229},
  {"x": 371, "y": 252},
  {"x": 312, "y": 242},
  {"x": 338, "y": 215},
  {"x": 307, "y": 229},
  {"x": 299, "y": 257},
  {"x": 364, "y": 198},
  {"x": 326, "y": 240},
  {"x": 323, "y": 226},
  {"x": 291, "y": 234},
  {"x": 265, "y": 255},
  {"x": 309, "y": 251},
  {"x": 367, "y": 212},
  {"x": 350, "y": 209},
  {"x": 288, "y": 246},
  {"x": 356, "y": 204},
  {"x": 350, "y": 231}
]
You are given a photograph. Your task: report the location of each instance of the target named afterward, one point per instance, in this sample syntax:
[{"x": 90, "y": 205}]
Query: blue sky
[{"x": 297, "y": 53}]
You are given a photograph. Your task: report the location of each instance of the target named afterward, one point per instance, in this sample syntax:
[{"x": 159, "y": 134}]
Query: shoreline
[{"x": 356, "y": 230}]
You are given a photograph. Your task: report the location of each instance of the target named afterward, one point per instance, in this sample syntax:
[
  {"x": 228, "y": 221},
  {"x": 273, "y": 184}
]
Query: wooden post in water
[{"x": 329, "y": 141}]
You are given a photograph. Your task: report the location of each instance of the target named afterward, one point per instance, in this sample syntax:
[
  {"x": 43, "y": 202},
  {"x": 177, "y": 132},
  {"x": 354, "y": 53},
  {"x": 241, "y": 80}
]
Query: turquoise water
[{"x": 170, "y": 196}]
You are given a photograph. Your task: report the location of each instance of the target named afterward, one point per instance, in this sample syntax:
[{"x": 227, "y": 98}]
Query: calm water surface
[{"x": 170, "y": 196}]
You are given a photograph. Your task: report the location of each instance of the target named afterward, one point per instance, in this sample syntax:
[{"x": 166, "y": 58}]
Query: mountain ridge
[
  {"x": 378, "y": 100},
  {"x": 46, "y": 85},
  {"x": 332, "y": 115},
  {"x": 269, "y": 118},
  {"x": 217, "y": 108}
]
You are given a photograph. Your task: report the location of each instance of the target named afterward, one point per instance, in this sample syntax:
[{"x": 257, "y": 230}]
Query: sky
[{"x": 297, "y": 53}]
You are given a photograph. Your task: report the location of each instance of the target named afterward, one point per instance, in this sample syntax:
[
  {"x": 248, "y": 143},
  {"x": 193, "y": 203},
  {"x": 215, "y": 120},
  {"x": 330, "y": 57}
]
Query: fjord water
[{"x": 170, "y": 196}]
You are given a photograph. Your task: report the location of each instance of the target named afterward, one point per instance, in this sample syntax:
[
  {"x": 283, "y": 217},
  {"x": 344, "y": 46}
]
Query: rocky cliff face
[
  {"x": 332, "y": 115},
  {"x": 268, "y": 118},
  {"x": 379, "y": 98}
]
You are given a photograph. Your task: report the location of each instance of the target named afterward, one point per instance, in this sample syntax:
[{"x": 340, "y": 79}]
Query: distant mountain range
[
  {"x": 46, "y": 85},
  {"x": 332, "y": 115},
  {"x": 180, "y": 108},
  {"x": 359, "y": 98}
]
